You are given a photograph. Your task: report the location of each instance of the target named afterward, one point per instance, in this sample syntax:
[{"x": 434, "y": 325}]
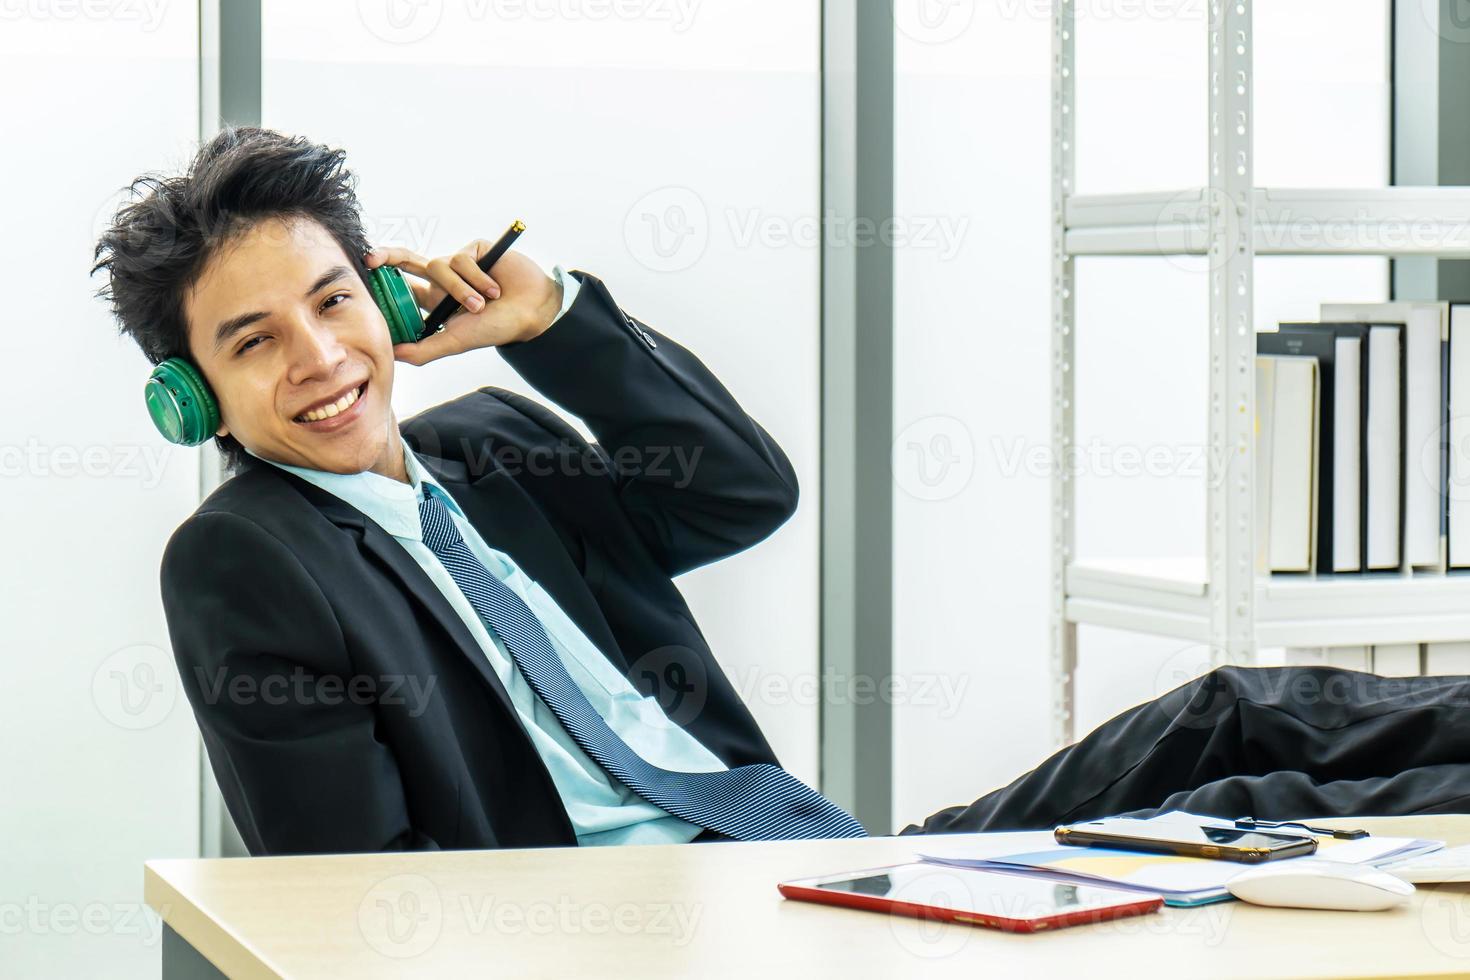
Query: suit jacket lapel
[
  {"x": 508, "y": 521},
  {"x": 389, "y": 554}
]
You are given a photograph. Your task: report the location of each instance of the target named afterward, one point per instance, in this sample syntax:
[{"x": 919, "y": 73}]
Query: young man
[{"x": 462, "y": 631}]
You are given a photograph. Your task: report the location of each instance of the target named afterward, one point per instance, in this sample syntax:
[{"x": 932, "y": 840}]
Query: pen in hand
[{"x": 449, "y": 306}]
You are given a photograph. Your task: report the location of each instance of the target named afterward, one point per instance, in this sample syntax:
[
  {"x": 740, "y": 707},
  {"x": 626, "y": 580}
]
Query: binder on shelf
[
  {"x": 1341, "y": 480},
  {"x": 1385, "y": 446},
  {"x": 1289, "y": 341},
  {"x": 1264, "y": 422},
  {"x": 1426, "y": 351},
  {"x": 1444, "y": 455},
  {"x": 1349, "y": 474},
  {"x": 1288, "y": 404},
  {"x": 1424, "y": 450},
  {"x": 1457, "y": 490}
]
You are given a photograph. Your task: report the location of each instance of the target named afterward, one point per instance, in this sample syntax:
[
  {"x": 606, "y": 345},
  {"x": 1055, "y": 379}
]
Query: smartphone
[
  {"x": 1013, "y": 903},
  {"x": 1187, "y": 839}
]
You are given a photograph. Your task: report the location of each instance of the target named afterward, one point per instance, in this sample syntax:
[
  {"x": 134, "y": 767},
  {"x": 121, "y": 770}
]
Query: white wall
[
  {"x": 100, "y": 759},
  {"x": 972, "y": 358},
  {"x": 601, "y": 133}
]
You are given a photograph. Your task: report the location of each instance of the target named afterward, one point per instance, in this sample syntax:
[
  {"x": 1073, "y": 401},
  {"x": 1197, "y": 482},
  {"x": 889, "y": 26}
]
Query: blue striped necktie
[{"x": 753, "y": 802}]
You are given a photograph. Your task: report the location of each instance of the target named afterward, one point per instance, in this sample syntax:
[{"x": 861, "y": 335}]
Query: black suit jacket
[{"x": 343, "y": 703}]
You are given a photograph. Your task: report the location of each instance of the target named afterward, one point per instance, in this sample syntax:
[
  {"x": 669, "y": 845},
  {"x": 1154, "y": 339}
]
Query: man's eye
[
  {"x": 328, "y": 304},
  {"x": 248, "y": 344}
]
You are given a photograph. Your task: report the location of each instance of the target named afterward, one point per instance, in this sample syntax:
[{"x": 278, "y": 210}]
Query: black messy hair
[{"x": 160, "y": 241}]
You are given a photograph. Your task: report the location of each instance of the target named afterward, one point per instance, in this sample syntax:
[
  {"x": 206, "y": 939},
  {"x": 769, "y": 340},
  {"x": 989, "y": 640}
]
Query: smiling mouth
[{"x": 332, "y": 409}]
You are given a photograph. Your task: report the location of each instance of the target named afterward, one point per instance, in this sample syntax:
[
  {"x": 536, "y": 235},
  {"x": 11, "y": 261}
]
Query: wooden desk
[{"x": 713, "y": 910}]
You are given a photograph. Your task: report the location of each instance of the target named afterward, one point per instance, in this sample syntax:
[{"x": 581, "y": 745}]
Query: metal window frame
[
  {"x": 228, "y": 93},
  {"x": 856, "y": 567},
  {"x": 1430, "y": 137}
]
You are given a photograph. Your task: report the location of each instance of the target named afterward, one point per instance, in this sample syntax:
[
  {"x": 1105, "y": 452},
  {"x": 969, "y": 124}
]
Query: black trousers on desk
[{"x": 1277, "y": 743}]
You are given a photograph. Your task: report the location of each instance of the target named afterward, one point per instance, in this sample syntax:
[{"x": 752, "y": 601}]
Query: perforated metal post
[
  {"x": 1063, "y": 350},
  {"x": 1230, "y": 533}
]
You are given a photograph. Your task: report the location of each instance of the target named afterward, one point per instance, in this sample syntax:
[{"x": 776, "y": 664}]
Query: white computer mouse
[{"x": 1310, "y": 883}]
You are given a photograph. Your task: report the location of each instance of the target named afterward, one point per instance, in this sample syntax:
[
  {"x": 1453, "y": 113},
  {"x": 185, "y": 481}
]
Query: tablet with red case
[{"x": 1014, "y": 903}]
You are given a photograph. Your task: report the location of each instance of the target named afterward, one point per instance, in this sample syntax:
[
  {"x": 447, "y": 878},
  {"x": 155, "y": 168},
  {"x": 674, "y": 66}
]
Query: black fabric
[
  {"x": 344, "y": 705},
  {"x": 1276, "y": 743},
  {"x": 707, "y": 836}
]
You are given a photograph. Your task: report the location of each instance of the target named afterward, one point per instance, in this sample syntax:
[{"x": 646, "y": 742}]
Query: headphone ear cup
[
  {"x": 396, "y": 301},
  {"x": 180, "y": 403}
]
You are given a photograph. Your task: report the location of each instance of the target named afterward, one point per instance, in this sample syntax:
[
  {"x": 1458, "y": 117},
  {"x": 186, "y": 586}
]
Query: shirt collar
[{"x": 392, "y": 505}]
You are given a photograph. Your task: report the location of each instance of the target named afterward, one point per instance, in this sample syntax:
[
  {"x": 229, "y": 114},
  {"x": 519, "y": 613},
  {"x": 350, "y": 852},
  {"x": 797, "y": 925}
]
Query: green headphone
[{"x": 184, "y": 409}]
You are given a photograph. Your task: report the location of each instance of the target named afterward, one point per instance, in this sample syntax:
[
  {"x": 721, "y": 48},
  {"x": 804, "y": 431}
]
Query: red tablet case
[{"x": 874, "y": 903}]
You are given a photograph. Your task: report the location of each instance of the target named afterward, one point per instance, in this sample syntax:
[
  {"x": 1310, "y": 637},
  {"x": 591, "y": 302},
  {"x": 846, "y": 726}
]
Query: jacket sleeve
[
  {"x": 264, "y": 665},
  {"x": 698, "y": 478}
]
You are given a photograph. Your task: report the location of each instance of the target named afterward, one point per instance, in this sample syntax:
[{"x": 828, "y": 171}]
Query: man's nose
[{"x": 316, "y": 351}]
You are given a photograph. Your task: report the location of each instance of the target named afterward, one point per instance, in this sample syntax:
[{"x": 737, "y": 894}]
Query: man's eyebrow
[{"x": 228, "y": 328}]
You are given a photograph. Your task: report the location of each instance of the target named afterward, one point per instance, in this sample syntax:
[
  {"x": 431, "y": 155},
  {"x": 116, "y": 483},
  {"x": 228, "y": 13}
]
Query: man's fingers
[
  {"x": 407, "y": 353},
  {"x": 443, "y": 275},
  {"x": 463, "y": 263},
  {"x": 431, "y": 348},
  {"x": 403, "y": 258},
  {"x": 456, "y": 275}
]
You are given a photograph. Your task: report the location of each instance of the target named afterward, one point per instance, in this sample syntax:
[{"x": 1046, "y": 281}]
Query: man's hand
[{"x": 513, "y": 302}]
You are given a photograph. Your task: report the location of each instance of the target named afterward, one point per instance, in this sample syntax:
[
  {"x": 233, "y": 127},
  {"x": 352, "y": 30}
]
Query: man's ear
[{"x": 223, "y": 430}]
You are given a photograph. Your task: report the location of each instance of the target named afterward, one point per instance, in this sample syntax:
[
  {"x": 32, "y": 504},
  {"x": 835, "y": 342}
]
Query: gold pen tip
[{"x": 518, "y": 226}]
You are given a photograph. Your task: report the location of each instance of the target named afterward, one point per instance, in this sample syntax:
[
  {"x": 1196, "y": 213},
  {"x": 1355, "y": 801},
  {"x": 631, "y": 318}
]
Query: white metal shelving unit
[{"x": 1224, "y": 604}]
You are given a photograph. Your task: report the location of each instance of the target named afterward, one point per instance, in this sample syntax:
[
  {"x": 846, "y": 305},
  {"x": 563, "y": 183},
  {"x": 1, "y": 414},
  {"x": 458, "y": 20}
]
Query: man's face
[{"x": 287, "y": 335}]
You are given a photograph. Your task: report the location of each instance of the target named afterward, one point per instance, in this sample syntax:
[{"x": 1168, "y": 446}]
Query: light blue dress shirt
[{"x": 602, "y": 810}]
